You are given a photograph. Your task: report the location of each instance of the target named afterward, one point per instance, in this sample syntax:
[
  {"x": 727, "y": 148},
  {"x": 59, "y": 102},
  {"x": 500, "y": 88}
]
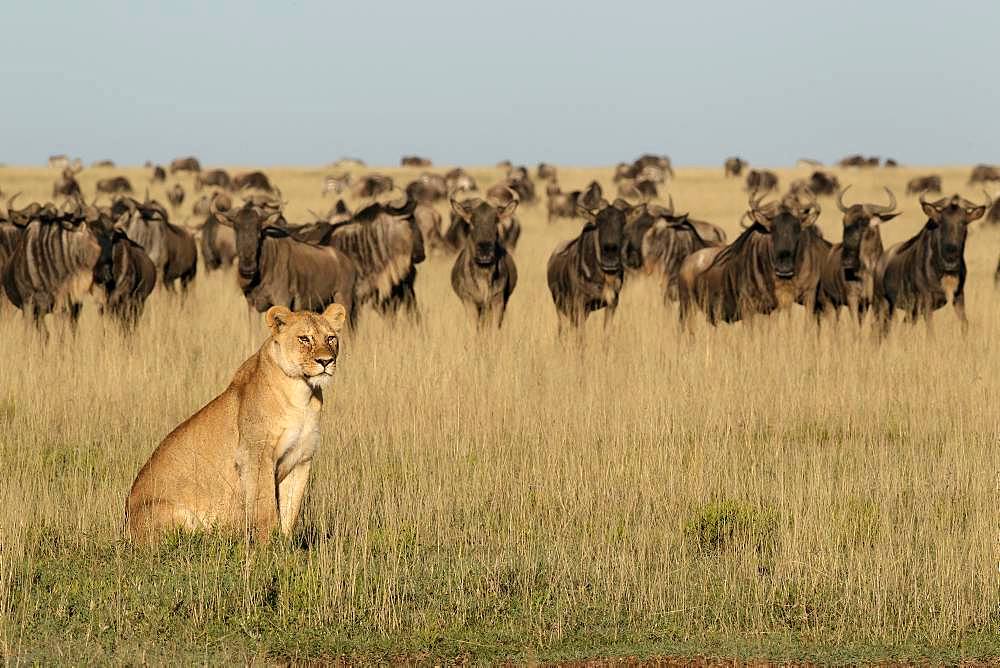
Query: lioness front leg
[
  {"x": 291, "y": 492},
  {"x": 260, "y": 503}
]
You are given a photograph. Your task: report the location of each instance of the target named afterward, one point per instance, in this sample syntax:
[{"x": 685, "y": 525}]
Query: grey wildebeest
[
  {"x": 276, "y": 269},
  {"x": 217, "y": 178},
  {"x": 761, "y": 181},
  {"x": 336, "y": 183},
  {"x": 484, "y": 274},
  {"x": 924, "y": 273},
  {"x": 188, "y": 164},
  {"x": 218, "y": 241},
  {"x": 984, "y": 173},
  {"x": 819, "y": 183},
  {"x": 66, "y": 185},
  {"x": 638, "y": 189},
  {"x": 924, "y": 184},
  {"x": 255, "y": 180},
  {"x": 175, "y": 195},
  {"x": 547, "y": 172},
  {"x": 124, "y": 273},
  {"x": 372, "y": 185},
  {"x": 159, "y": 174},
  {"x": 733, "y": 166},
  {"x": 585, "y": 274},
  {"x": 171, "y": 248},
  {"x": 847, "y": 274},
  {"x": 414, "y": 161},
  {"x": 756, "y": 273},
  {"x": 561, "y": 204},
  {"x": 114, "y": 185},
  {"x": 458, "y": 180}
]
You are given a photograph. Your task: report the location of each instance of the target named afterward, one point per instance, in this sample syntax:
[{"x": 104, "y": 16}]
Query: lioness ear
[
  {"x": 277, "y": 317},
  {"x": 336, "y": 315}
]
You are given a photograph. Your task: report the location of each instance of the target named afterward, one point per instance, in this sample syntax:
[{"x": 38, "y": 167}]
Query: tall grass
[{"x": 764, "y": 490}]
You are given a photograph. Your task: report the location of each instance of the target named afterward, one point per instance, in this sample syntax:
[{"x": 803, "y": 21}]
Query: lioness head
[{"x": 305, "y": 344}]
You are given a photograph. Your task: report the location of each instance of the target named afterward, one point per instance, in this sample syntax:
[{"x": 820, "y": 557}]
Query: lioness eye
[
  {"x": 304, "y": 339},
  {"x": 330, "y": 340}
]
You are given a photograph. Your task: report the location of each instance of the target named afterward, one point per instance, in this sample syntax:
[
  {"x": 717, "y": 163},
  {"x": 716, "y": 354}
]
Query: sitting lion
[{"x": 242, "y": 461}]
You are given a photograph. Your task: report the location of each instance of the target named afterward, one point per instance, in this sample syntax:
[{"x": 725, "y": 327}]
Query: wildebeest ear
[
  {"x": 974, "y": 214},
  {"x": 336, "y": 315},
  {"x": 931, "y": 210},
  {"x": 508, "y": 209},
  {"x": 459, "y": 209},
  {"x": 277, "y": 317}
]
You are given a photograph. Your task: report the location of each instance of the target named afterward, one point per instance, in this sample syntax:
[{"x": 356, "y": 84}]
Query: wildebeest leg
[
  {"x": 959, "y": 304},
  {"x": 609, "y": 314}
]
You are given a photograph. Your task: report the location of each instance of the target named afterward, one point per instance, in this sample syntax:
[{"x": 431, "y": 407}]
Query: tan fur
[{"x": 242, "y": 461}]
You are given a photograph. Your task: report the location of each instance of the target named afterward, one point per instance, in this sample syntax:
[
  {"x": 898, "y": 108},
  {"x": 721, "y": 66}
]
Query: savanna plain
[{"x": 769, "y": 491}]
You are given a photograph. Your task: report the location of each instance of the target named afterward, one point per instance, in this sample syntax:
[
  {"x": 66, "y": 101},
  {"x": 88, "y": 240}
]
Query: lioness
[{"x": 242, "y": 461}]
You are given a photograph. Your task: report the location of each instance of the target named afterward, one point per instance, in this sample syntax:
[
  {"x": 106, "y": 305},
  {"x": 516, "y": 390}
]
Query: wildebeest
[
  {"x": 484, "y": 274},
  {"x": 372, "y": 185},
  {"x": 175, "y": 195},
  {"x": 924, "y": 184},
  {"x": 66, "y": 185},
  {"x": 159, "y": 174},
  {"x": 756, "y": 274},
  {"x": 509, "y": 226},
  {"x": 547, "y": 172},
  {"x": 188, "y": 164},
  {"x": 819, "y": 183},
  {"x": 761, "y": 181},
  {"x": 428, "y": 219},
  {"x": 517, "y": 181},
  {"x": 60, "y": 161},
  {"x": 124, "y": 273},
  {"x": 984, "y": 173},
  {"x": 218, "y": 178},
  {"x": 103, "y": 163},
  {"x": 458, "y": 180},
  {"x": 171, "y": 248},
  {"x": 52, "y": 266},
  {"x": 890, "y": 162},
  {"x": 847, "y": 274},
  {"x": 255, "y": 180},
  {"x": 414, "y": 161},
  {"x": 218, "y": 242},
  {"x": 858, "y": 160},
  {"x": 11, "y": 227},
  {"x": 276, "y": 269},
  {"x": 924, "y": 273},
  {"x": 336, "y": 183},
  {"x": 114, "y": 185},
  {"x": 585, "y": 274},
  {"x": 638, "y": 189},
  {"x": 733, "y": 166},
  {"x": 561, "y": 204},
  {"x": 428, "y": 188}
]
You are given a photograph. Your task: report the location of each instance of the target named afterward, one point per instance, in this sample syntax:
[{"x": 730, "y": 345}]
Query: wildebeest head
[
  {"x": 785, "y": 221},
  {"x": 608, "y": 223},
  {"x": 638, "y": 221},
  {"x": 108, "y": 232},
  {"x": 482, "y": 221},
  {"x": 251, "y": 224},
  {"x": 862, "y": 240},
  {"x": 949, "y": 218}
]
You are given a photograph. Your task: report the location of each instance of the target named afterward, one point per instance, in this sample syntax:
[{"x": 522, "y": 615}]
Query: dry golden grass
[{"x": 761, "y": 491}]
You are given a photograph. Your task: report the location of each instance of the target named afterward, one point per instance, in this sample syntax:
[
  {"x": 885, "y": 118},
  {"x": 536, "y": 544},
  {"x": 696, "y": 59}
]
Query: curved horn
[
  {"x": 670, "y": 201},
  {"x": 840, "y": 199},
  {"x": 872, "y": 209}
]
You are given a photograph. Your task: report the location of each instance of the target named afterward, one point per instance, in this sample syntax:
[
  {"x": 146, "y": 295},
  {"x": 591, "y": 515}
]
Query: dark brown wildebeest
[
  {"x": 114, "y": 185},
  {"x": 188, "y": 164},
  {"x": 159, "y": 174},
  {"x": 733, "y": 166},
  {"x": 585, "y": 274},
  {"x": 484, "y": 274},
  {"x": 66, "y": 185},
  {"x": 518, "y": 181},
  {"x": 103, "y": 163},
  {"x": 756, "y": 274},
  {"x": 847, "y": 275},
  {"x": 984, "y": 173},
  {"x": 560, "y": 204},
  {"x": 818, "y": 183},
  {"x": 858, "y": 160},
  {"x": 218, "y": 242},
  {"x": 429, "y": 220},
  {"x": 428, "y": 188},
  {"x": 761, "y": 181},
  {"x": 547, "y": 172},
  {"x": 124, "y": 273},
  {"x": 924, "y": 273},
  {"x": 414, "y": 161},
  {"x": 657, "y": 241},
  {"x": 372, "y": 185},
  {"x": 12, "y": 225},
  {"x": 171, "y": 248},
  {"x": 276, "y": 269},
  {"x": 336, "y": 183},
  {"x": 890, "y": 162},
  {"x": 458, "y": 180},
  {"x": 175, "y": 195},
  {"x": 52, "y": 265},
  {"x": 923, "y": 184},
  {"x": 218, "y": 178},
  {"x": 255, "y": 180},
  {"x": 643, "y": 190}
]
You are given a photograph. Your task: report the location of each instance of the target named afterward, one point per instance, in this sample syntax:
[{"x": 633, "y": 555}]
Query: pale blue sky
[{"x": 468, "y": 82}]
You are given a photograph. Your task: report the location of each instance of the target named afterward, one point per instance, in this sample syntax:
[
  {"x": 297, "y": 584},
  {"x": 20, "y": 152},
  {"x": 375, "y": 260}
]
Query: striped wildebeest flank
[
  {"x": 187, "y": 164},
  {"x": 733, "y": 167},
  {"x": 547, "y": 172},
  {"x": 52, "y": 266},
  {"x": 276, "y": 269},
  {"x": 175, "y": 196},
  {"x": 484, "y": 274},
  {"x": 414, "y": 161},
  {"x": 336, "y": 184},
  {"x": 385, "y": 245},
  {"x": 12, "y": 224},
  {"x": 756, "y": 273},
  {"x": 114, "y": 185},
  {"x": 847, "y": 275},
  {"x": 214, "y": 178},
  {"x": 372, "y": 185},
  {"x": 984, "y": 173},
  {"x": 171, "y": 248},
  {"x": 657, "y": 241},
  {"x": 159, "y": 175},
  {"x": 925, "y": 272},
  {"x": 761, "y": 181},
  {"x": 924, "y": 184},
  {"x": 255, "y": 180},
  {"x": 819, "y": 183},
  {"x": 66, "y": 185},
  {"x": 124, "y": 274},
  {"x": 585, "y": 274}
]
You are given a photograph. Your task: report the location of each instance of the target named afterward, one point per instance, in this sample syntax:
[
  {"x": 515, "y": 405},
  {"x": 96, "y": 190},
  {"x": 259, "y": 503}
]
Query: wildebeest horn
[
  {"x": 840, "y": 199},
  {"x": 872, "y": 209},
  {"x": 670, "y": 203}
]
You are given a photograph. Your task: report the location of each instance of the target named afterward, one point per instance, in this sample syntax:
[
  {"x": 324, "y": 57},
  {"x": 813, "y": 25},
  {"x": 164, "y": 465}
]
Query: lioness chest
[{"x": 297, "y": 438}]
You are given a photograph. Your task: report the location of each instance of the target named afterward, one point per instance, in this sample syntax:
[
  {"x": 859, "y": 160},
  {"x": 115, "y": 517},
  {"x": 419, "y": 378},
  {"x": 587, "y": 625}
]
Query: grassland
[{"x": 765, "y": 491}]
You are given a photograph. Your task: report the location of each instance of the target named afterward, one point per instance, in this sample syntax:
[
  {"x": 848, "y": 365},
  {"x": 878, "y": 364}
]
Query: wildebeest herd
[{"x": 54, "y": 253}]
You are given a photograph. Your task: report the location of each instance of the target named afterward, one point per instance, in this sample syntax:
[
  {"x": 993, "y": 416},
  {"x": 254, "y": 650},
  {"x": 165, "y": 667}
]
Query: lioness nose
[{"x": 324, "y": 361}]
